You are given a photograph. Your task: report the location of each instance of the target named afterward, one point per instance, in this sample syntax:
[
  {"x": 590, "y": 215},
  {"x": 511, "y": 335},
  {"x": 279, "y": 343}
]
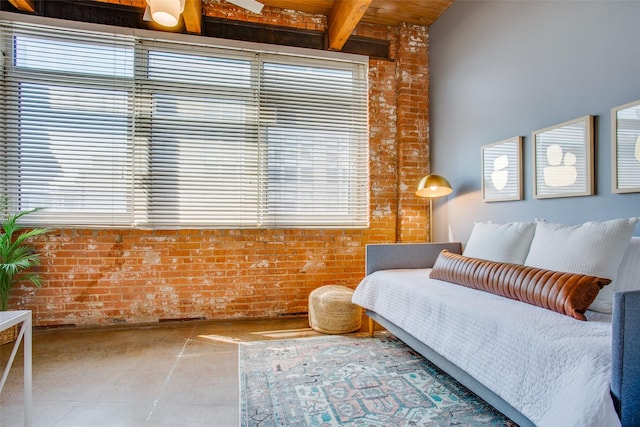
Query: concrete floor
[{"x": 172, "y": 374}]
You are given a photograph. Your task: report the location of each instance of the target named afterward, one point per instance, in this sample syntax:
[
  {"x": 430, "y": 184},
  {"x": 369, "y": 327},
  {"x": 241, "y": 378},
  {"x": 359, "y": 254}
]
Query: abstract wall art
[
  {"x": 563, "y": 159},
  {"x": 502, "y": 170},
  {"x": 625, "y": 148}
]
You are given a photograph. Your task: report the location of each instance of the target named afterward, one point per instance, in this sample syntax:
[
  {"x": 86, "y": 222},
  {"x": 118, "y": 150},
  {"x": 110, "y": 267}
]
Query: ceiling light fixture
[{"x": 164, "y": 12}]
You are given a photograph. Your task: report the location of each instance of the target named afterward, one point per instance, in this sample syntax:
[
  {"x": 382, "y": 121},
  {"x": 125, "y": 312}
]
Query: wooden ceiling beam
[
  {"x": 192, "y": 16},
  {"x": 343, "y": 18},
  {"x": 25, "y": 5}
]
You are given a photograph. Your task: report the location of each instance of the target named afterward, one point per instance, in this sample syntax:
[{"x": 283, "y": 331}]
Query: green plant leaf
[{"x": 16, "y": 256}]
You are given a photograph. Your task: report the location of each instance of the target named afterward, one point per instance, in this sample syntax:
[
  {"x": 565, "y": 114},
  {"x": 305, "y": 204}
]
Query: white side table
[{"x": 7, "y": 320}]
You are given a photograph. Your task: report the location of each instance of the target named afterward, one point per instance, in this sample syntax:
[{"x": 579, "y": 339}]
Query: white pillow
[
  {"x": 500, "y": 242},
  {"x": 592, "y": 248}
]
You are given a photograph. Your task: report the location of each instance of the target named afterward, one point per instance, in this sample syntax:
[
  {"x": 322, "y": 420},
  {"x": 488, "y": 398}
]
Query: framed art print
[
  {"x": 563, "y": 159},
  {"x": 502, "y": 170},
  {"x": 625, "y": 148}
]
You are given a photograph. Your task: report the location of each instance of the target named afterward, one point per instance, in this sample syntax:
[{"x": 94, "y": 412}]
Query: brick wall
[
  {"x": 101, "y": 277},
  {"x": 412, "y": 82}
]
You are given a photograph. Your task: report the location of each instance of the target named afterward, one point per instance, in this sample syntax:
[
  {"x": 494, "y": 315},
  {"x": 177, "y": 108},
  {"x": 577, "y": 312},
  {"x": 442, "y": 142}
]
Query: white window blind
[
  {"x": 67, "y": 123},
  {"x": 121, "y": 130},
  {"x": 202, "y": 128},
  {"x": 317, "y": 154}
]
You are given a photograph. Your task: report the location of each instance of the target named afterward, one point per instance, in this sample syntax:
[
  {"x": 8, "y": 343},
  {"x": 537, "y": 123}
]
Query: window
[
  {"x": 121, "y": 130},
  {"x": 202, "y": 125},
  {"x": 312, "y": 163},
  {"x": 68, "y": 124}
]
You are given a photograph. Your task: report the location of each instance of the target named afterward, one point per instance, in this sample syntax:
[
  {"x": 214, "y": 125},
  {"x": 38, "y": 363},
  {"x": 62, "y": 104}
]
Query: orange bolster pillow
[{"x": 565, "y": 293}]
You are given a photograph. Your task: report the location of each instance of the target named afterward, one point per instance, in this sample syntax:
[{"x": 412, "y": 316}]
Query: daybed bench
[{"x": 537, "y": 366}]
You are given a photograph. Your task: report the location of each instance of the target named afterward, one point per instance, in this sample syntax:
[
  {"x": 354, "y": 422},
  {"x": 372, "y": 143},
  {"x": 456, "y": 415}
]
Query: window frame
[{"x": 141, "y": 138}]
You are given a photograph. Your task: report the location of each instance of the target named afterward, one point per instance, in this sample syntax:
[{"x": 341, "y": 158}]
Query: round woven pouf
[{"x": 332, "y": 312}]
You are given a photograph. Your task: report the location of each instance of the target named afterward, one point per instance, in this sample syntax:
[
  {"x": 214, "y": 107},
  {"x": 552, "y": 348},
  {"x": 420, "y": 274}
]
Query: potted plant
[{"x": 17, "y": 257}]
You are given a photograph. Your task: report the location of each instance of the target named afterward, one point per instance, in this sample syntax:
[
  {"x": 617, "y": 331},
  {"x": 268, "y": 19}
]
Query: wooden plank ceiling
[
  {"x": 384, "y": 12},
  {"x": 342, "y": 15}
]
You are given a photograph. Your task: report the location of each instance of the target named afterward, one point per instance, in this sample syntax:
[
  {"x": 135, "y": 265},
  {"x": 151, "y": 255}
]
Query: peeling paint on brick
[
  {"x": 312, "y": 266},
  {"x": 381, "y": 211},
  {"x": 151, "y": 258},
  {"x": 376, "y": 189}
]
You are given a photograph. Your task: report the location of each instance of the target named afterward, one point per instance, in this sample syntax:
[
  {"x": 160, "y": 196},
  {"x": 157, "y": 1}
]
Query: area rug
[{"x": 351, "y": 381}]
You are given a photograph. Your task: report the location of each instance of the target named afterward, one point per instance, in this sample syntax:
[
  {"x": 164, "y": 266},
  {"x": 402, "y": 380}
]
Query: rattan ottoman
[{"x": 332, "y": 312}]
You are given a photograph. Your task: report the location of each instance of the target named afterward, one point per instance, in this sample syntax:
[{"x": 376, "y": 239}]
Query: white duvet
[{"x": 552, "y": 368}]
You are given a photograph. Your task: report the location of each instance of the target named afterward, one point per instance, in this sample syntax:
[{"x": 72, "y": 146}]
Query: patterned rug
[{"x": 351, "y": 380}]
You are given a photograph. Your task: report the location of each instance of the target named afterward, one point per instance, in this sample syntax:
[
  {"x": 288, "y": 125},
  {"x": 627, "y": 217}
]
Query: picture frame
[
  {"x": 502, "y": 170},
  {"x": 625, "y": 148},
  {"x": 563, "y": 159}
]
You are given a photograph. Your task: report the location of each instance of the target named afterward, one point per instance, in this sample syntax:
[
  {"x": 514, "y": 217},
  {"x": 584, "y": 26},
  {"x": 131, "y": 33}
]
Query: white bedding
[{"x": 552, "y": 368}]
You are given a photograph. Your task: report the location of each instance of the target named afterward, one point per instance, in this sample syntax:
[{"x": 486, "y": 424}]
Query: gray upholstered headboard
[{"x": 406, "y": 255}]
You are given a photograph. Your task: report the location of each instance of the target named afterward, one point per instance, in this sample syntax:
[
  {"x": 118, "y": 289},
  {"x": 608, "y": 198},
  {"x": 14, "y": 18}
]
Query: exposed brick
[
  {"x": 101, "y": 277},
  {"x": 412, "y": 86}
]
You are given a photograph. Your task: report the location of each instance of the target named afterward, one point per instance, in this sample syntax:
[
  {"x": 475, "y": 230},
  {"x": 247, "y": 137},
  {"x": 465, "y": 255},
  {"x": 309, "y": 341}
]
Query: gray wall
[{"x": 505, "y": 68}]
